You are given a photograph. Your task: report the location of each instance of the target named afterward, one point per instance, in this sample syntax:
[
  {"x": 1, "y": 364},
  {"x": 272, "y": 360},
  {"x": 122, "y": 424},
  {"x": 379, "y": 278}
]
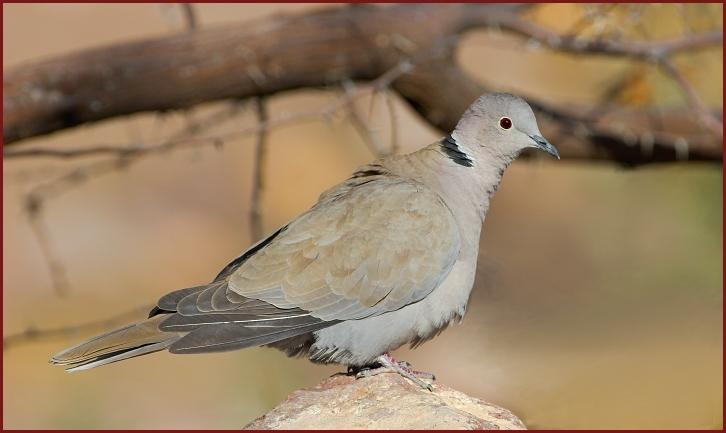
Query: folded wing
[
  {"x": 371, "y": 249},
  {"x": 368, "y": 247}
]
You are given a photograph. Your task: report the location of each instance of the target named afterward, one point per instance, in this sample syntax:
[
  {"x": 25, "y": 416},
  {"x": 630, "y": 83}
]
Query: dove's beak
[{"x": 542, "y": 144}]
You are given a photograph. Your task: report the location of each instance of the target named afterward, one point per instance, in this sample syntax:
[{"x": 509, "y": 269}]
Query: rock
[{"x": 385, "y": 401}]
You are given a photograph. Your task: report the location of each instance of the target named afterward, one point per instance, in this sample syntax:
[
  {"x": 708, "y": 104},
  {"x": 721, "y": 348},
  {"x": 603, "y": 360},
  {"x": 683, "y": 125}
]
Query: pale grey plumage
[{"x": 386, "y": 258}]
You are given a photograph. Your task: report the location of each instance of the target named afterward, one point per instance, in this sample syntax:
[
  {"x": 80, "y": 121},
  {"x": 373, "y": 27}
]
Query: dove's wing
[
  {"x": 370, "y": 249},
  {"x": 370, "y": 245}
]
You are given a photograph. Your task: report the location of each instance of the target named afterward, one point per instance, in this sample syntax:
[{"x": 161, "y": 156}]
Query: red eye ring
[{"x": 505, "y": 123}]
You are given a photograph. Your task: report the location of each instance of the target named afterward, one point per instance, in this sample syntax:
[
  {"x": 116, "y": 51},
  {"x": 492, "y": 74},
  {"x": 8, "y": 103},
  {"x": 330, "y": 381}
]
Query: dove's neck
[{"x": 465, "y": 183}]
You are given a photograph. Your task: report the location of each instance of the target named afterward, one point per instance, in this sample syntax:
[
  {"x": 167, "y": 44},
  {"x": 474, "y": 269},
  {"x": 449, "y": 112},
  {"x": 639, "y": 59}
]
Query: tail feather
[{"x": 130, "y": 341}]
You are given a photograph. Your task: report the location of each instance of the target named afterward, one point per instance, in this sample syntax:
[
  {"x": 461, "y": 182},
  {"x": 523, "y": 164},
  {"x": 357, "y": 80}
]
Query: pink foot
[{"x": 390, "y": 365}]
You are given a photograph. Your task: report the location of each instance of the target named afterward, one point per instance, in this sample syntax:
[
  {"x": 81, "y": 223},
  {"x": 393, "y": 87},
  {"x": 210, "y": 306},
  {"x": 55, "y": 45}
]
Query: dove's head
[{"x": 500, "y": 125}]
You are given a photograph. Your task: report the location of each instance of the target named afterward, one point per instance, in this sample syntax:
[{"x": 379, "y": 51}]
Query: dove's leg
[{"x": 390, "y": 365}]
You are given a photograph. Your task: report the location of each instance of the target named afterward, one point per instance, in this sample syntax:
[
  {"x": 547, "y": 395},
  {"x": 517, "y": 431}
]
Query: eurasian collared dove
[{"x": 383, "y": 259}]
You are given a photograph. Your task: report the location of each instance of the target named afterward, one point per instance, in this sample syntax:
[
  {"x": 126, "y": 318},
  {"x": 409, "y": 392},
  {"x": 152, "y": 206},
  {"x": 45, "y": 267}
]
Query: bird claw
[
  {"x": 424, "y": 374},
  {"x": 390, "y": 365}
]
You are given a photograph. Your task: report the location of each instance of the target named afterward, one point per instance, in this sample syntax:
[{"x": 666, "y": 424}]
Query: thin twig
[
  {"x": 180, "y": 15},
  {"x": 56, "y": 267},
  {"x": 650, "y": 51},
  {"x": 30, "y": 175},
  {"x": 190, "y": 16},
  {"x": 125, "y": 156},
  {"x": 32, "y": 334},
  {"x": 391, "y": 104},
  {"x": 11, "y": 152},
  {"x": 705, "y": 116},
  {"x": 258, "y": 176},
  {"x": 586, "y": 19},
  {"x": 361, "y": 126},
  {"x": 35, "y": 200},
  {"x": 190, "y": 25}
]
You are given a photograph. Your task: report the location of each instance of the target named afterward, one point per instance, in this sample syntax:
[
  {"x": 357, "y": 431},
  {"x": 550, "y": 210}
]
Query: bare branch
[
  {"x": 182, "y": 139},
  {"x": 126, "y": 156},
  {"x": 99, "y": 150},
  {"x": 391, "y": 105},
  {"x": 190, "y": 16},
  {"x": 589, "y": 17},
  {"x": 705, "y": 116},
  {"x": 180, "y": 15},
  {"x": 258, "y": 177},
  {"x": 361, "y": 126},
  {"x": 56, "y": 267},
  {"x": 317, "y": 48},
  {"x": 36, "y": 199}
]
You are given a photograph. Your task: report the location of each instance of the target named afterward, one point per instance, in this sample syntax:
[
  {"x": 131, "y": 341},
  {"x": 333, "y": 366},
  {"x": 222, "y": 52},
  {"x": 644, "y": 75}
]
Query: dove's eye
[{"x": 505, "y": 123}]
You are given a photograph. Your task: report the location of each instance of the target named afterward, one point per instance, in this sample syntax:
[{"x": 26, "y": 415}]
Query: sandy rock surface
[{"x": 385, "y": 401}]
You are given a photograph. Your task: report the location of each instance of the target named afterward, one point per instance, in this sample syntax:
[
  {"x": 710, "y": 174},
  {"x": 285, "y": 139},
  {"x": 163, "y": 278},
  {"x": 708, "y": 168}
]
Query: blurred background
[{"x": 598, "y": 302}]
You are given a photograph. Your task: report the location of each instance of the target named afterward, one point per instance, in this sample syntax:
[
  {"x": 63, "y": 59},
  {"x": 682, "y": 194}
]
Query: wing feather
[
  {"x": 360, "y": 252},
  {"x": 236, "y": 336}
]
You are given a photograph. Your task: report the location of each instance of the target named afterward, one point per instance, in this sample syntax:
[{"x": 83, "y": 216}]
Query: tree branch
[
  {"x": 258, "y": 178},
  {"x": 706, "y": 117},
  {"x": 328, "y": 47}
]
